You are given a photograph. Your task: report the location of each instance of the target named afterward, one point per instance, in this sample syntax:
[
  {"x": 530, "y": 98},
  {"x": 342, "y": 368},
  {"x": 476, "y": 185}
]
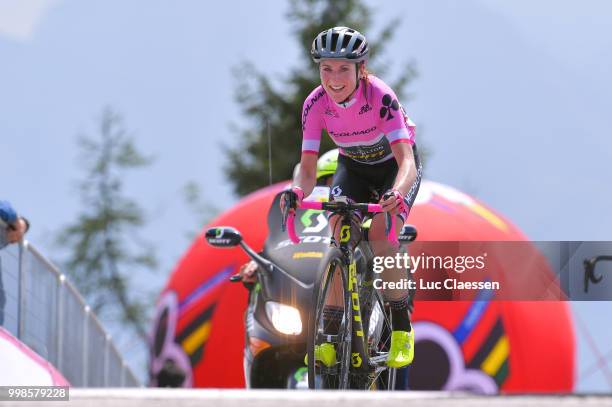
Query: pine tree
[
  {"x": 275, "y": 109},
  {"x": 102, "y": 242}
]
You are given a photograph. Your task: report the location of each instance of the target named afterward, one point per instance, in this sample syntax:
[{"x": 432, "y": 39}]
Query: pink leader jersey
[{"x": 364, "y": 128}]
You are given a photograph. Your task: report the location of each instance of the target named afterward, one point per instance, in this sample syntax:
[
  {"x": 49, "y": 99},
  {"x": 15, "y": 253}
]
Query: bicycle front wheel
[
  {"x": 329, "y": 326},
  {"x": 379, "y": 343}
]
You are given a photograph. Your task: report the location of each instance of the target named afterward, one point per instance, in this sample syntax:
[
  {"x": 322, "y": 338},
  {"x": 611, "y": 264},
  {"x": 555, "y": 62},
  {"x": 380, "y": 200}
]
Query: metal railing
[{"x": 44, "y": 310}]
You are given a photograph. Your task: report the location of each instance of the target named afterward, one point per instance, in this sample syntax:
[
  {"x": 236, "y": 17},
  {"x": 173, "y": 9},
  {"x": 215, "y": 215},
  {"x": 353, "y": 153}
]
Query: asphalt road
[{"x": 270, "y": 398}]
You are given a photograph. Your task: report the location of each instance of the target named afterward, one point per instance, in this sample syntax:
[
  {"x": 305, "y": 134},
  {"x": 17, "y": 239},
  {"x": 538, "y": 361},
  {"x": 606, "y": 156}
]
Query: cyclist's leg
[
  {"x": 381, "y": 247},
  {"x": 400, "y": 298},
  {"x": 401, "y": 352},
  {"x": 357, "y": 181},
  {"x": 402, "y": 341},
  {"x": 328, "y": 355}
]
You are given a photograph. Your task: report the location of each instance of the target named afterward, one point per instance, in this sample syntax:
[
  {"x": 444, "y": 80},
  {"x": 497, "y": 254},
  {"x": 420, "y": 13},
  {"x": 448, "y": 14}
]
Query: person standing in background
[{"x": 12, "y": 230}]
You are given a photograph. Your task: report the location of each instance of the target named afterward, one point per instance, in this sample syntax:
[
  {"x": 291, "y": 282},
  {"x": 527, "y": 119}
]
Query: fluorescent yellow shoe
[
  {"x": 324, "y": 353},
  {"x": 401, "y": 353}
]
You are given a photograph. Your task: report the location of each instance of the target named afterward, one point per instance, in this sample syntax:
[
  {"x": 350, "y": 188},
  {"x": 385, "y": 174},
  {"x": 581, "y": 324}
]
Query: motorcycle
[{"x": 279, "y": 302}]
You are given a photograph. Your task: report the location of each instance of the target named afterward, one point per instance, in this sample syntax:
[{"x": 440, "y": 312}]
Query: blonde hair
[{"x": 364, "y": 74}]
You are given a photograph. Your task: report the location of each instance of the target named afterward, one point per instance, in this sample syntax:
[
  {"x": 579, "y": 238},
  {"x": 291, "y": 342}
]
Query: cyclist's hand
[
  {"x": 248, "y": 272},
  {"x": 291, "y": 199},
  {"x": 393, "y": 201}
]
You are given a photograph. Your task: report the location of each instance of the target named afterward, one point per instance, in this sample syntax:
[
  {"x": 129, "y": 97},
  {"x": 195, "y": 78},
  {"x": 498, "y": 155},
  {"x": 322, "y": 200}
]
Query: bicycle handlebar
[{"x": 341, "y": 206}]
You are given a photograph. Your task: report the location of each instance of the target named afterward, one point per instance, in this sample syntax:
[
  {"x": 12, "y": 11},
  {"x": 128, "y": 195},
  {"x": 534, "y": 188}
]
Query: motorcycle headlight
[{"x": 285, "y": 319}]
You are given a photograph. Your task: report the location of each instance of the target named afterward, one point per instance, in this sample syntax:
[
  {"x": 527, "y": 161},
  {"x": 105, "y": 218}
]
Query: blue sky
[{"x": 512, "y": 97}]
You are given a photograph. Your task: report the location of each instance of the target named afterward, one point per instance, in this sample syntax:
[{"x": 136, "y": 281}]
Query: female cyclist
[{"x": 377, "y": 153}]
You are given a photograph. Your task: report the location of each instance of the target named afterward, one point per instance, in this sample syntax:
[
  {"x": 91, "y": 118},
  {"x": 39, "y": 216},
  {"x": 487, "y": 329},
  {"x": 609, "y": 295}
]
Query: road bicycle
[{"x": 361, "y": 332}]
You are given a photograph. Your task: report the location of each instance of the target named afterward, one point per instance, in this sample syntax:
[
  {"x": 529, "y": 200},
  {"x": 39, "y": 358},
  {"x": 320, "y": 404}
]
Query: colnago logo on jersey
[
  {"x": 353, "y": 133},
  {"x": 309, "y": 106}
]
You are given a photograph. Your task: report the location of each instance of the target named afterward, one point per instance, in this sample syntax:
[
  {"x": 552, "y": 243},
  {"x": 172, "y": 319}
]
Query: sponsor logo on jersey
[
  {"x": 366, "y": 154},
  {"x": 309, "y": 106},
  {"x": 388, "y": 104},
  {"x": 365, "y": 108},
  {"x": 353, "y": 133}
]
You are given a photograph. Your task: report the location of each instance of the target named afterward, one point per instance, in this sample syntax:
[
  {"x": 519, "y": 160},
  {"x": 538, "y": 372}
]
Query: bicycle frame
[
  {"x": 359, "y": 355},
  {"x": 360, "y": 361}
]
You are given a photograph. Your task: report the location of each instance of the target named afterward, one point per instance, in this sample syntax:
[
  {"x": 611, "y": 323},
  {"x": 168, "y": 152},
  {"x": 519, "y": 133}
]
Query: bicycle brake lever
[{"x": 286, "y": 211}]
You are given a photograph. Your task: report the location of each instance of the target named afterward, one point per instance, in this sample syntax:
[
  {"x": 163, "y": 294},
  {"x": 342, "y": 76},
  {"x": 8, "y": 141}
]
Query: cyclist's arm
[
  {"x": 306, "y": 177},
  {"x": 407, "y": 172},
  {"x": 312, "y": 126},
  {"x": 400, "y": 132}
]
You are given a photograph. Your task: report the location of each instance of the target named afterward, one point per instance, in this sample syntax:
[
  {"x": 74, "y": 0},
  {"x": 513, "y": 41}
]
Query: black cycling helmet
[{"x": 340, "y": 43}]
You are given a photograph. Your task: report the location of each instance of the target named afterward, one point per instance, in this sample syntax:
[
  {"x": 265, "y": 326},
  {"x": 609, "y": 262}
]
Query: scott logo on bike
[
  {"x": 345, "y": 233},
  {"x": 356, "y": 359},
  {"x": 352, "y": 286}
]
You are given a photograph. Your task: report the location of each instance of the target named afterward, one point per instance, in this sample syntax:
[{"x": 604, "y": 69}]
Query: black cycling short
[{"x": 368, "y": 182}]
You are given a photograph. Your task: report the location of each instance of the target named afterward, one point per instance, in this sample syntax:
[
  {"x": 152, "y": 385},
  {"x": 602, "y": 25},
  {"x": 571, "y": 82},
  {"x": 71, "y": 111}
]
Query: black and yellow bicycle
[{"x": 349, "y": 325}]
